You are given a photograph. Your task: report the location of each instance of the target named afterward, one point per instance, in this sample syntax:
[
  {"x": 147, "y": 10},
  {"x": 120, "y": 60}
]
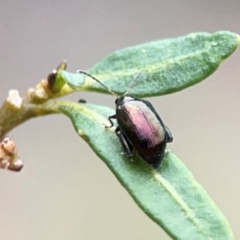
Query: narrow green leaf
[
  {"x": 168, "y": 65},
  {"x": 169, "y": 195}
]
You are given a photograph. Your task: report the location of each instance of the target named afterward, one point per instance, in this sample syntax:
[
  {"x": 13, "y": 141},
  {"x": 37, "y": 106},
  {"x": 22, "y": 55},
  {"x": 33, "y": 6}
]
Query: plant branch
[{"x": 38, "y": 101}]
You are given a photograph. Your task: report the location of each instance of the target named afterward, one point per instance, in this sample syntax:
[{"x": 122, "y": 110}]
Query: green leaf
[
  {"x": 169, "y": 195},
  {"x": 168, "y": 65}
]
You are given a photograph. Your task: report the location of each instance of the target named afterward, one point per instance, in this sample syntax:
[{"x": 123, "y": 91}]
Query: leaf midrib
[
  {"x": 132, "y": 71},
  {"x": 179, "y": 201}
]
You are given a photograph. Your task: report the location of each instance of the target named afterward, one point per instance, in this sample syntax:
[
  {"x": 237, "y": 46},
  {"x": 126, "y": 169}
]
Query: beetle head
[{"x": 122, "y": 99}]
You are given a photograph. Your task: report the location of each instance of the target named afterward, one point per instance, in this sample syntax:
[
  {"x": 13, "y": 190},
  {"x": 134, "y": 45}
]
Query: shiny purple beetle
[{"x": 140, "y": 129}]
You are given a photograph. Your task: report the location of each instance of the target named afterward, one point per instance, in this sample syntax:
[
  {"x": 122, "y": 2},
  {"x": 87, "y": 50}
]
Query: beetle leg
[
  {"x": 111, "y": 122},
  {"x": 125, "y": 144},
  {"x": 134, "y": 155},
  {"x": 82, "y": 100},
  {"x": 169, "y": 136}
]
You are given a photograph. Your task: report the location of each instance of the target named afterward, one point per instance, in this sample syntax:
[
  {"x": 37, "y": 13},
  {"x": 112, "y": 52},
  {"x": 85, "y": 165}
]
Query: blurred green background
[{"x": 64, "y": 190}]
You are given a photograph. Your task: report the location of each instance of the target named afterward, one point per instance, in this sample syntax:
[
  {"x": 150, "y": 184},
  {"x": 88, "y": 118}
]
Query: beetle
[{"x": 140, "y": 129}]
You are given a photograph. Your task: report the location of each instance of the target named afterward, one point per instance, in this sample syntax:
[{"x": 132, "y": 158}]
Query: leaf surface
[
  {"x": 167, "y": 65},
  {"x": 170, "y": 195}
]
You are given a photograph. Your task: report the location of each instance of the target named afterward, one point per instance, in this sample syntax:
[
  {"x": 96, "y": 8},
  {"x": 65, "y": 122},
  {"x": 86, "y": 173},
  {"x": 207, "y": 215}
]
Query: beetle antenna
[
  {"x": 132, "y": 83},
  {"x": 91, "y": 76}
]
